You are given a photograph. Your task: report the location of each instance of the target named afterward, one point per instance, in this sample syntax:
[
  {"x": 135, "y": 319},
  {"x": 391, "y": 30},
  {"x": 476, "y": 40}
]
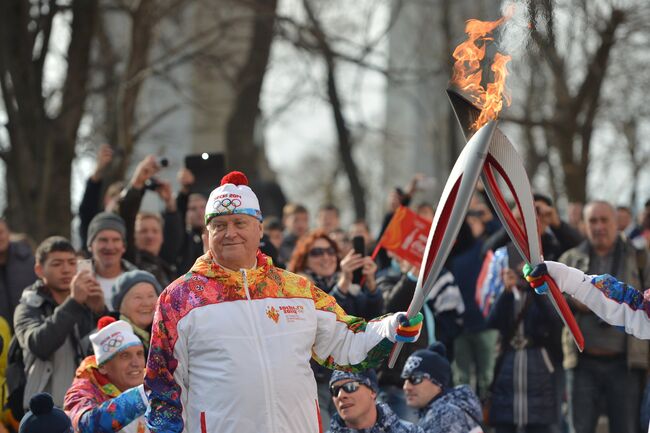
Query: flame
[{"x": 467, "y": 73}]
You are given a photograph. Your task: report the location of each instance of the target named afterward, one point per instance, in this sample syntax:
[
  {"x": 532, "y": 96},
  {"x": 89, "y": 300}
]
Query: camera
[
  {"x": 151, "y": 184},
  {"x": 163, "y": 162}
]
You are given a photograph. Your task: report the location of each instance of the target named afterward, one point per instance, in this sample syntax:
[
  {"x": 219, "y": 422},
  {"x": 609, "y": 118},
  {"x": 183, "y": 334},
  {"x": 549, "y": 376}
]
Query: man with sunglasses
[
  {"x": 354, "y": 395},
  {"x": 232, "y": 339},
  {"x": 428, "y": 388}
]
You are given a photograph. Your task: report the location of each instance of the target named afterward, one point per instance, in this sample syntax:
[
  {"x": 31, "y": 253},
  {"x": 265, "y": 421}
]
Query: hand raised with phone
[
  {"x": 357, "y": 268},
  {"x": 85, "y": 289}
]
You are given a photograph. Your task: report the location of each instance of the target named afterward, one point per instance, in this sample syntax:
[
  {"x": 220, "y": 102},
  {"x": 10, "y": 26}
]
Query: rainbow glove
[
  {"x": 535, "y": 277},
  {"x": 408, "y": 330}
]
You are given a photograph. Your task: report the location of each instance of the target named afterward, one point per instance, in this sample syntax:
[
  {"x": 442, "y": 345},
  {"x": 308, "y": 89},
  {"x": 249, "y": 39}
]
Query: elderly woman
[
  {"x": 135, "y": 296},
  {"x": 316, "y": 257}
]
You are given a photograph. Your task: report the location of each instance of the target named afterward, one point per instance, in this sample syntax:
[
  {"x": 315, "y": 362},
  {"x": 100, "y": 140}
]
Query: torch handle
[
  {"x": 565, "y": 312},
  {"x": 418, "y": 298}
]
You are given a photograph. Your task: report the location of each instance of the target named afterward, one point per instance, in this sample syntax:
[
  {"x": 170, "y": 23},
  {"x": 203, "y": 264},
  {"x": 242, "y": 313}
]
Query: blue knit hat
[
  {"x": 43, "y": 417},
  {"x": 433, "y": 361},
  {"x": 368, "y": 378}
]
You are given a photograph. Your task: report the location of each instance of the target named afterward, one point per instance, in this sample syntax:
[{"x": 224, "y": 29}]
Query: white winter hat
[
  {"x": 112, "y": 337},
  {"x": 233, "y": 196}
]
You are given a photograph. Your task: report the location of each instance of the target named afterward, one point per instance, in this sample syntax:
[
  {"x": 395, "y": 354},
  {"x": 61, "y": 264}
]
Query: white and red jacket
[
  {"x": 613, "y": 301},
  {"x": 230, "y": 350}
]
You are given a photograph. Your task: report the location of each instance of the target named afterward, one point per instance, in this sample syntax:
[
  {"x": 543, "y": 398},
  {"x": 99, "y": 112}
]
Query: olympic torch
[{"x": 449, "y": 216}]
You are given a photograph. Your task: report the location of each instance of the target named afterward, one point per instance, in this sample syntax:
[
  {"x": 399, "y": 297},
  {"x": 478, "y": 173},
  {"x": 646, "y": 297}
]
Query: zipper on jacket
[{"x": 262, "y": 355}]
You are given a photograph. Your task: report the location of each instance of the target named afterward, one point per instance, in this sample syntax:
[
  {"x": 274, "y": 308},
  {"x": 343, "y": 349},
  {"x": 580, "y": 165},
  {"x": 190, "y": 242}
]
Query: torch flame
[{"x": 467, "y": 73}]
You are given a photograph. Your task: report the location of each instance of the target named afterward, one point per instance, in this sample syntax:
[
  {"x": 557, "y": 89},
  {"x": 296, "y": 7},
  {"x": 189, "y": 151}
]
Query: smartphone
[
  {"x": 85, "y": 265},
  {"x": 208, "y": 169},
  {"x": 359, "y": 246}
]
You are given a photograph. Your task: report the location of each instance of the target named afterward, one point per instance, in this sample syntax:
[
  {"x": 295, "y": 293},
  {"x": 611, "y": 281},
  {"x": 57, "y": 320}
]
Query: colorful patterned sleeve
[
  {"x": 114, "y": 414},
  {"x": 615, "y": 302},
  {"x": 164, "y": 378},
  {"x": 346, "y": 342}
]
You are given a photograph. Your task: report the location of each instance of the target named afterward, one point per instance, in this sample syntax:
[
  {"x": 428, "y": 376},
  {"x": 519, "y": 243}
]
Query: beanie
[
  {"x": 233, "y": 196},
  {"x": 105, "y": 221},
  {"x": 43, "y": 417},
  {"x": 112, "y": 337},
  {"x": 127, "y": 280},
  {"x": 432, "y": 360},
  {"x": 368, "y": 378}
]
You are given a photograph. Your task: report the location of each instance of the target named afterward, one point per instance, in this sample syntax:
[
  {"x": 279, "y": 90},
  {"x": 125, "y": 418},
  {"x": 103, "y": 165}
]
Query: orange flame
[{"x": 467, "y": 73}]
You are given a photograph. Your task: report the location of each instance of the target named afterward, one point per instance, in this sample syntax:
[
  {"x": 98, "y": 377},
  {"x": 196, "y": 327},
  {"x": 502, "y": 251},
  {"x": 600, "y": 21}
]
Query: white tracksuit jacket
[
  {"x": 613, "y": 301},
  {"x": 230, "y": 350}
]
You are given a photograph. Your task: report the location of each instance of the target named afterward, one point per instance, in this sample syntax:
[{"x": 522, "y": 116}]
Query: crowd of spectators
[{"x": 491, "y": 353}]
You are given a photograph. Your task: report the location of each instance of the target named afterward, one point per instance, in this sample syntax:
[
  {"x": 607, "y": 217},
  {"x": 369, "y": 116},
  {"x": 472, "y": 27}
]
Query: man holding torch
[{"x": 232, "y": 339}]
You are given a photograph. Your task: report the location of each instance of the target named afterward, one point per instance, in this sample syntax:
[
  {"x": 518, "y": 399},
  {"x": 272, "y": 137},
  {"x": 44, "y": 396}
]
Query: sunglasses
[
  {"x": 418, "y": 378},
  {"x": 348, "y": 387},
  {"x": 317, "y": 252}
]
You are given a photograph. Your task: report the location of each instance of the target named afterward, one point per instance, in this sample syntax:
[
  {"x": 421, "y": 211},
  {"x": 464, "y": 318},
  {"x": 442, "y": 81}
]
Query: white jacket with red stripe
[{"x": 230, "y": 350}]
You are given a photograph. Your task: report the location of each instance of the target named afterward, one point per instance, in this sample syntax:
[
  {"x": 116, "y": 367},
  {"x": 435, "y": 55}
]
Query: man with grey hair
[
  {"x": 613, "y": 365},
  {"x": 231, "y": 340}
]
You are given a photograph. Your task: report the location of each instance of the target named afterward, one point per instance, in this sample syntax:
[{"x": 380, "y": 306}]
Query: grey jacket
[
  {"x": 49, "y": 336},
  {"x": 18, "y": 274},
  {"x": 628, "y": 270}
]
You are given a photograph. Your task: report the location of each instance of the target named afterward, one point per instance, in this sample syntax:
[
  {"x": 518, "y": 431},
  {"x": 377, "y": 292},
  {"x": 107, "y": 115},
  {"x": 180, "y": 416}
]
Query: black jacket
[
  {"x": 16, "y": 274},
  {"x": 160, "y": 266}
]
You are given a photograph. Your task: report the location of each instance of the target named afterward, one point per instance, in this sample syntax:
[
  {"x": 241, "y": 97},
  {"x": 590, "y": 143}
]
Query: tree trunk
[
  {"x": 345, "y": 142},
  {"x": 241, "y": 152},
  {"x": 39, "y": 158}
]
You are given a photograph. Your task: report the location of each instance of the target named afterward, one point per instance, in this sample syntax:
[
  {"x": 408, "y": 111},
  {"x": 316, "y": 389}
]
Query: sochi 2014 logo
[{"x": 273, "y": 314}]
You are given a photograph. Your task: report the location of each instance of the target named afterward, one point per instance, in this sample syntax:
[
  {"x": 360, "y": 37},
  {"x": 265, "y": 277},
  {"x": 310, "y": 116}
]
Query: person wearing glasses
[
  {"x": 316, "y": 257},
  {"x": 441, "y": 407},
  {"x": 232, "y": 339},
  {"x": 355, "y": 398}
]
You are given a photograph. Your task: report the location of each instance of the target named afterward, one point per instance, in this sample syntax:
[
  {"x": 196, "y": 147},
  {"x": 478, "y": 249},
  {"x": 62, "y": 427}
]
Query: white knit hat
[
  {"x": 112, "y": 337},
  {"x": 233, "y": 196}
]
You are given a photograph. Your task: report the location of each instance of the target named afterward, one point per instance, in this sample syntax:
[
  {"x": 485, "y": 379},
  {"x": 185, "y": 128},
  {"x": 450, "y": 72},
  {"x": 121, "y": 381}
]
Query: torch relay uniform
[
  {"x": 93, "y": 402},
  {"x": 612, "y": 300},
  {"x": 96, "y": 406},
  {"x": 230, "y": 350}
]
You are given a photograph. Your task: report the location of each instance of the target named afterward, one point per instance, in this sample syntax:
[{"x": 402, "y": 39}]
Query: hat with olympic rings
[
  {"x": 112, "y": 337},
  {"x": 233, "y": 196}
]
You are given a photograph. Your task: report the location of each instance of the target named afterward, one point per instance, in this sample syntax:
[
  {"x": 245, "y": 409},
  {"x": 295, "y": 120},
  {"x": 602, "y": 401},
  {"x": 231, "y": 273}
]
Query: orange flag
[{"x": 405, "y": 236}]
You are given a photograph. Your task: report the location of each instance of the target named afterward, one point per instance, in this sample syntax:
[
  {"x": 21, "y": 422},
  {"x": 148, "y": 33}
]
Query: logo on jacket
[
  {"x": 293, "y": 313},
  {"x": 273, "y": 314}
]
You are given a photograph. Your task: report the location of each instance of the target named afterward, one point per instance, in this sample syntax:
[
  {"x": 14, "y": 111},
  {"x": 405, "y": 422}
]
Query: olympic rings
[
  {"x": 112, "y": 344},
  {"x": 227, "y": 205}
]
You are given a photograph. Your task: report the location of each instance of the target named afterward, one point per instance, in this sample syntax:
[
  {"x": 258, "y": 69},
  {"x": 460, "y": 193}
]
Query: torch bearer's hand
[
  {"x": 408, "y": 330},
  {"x": 535, "y": 277}
]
